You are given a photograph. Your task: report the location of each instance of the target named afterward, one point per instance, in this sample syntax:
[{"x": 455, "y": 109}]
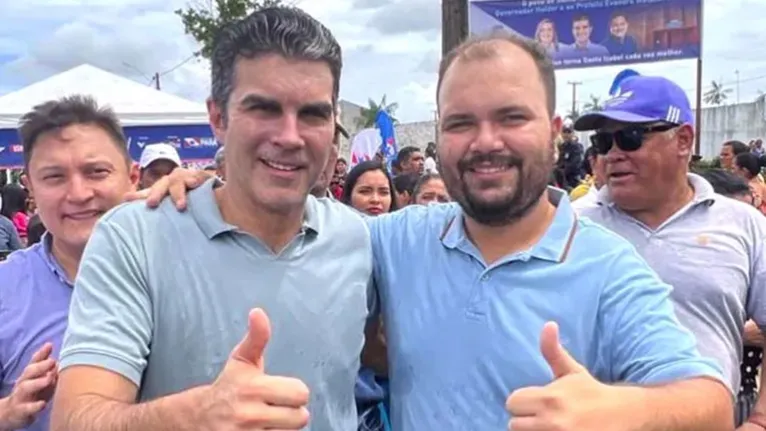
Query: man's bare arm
[
  {"x": 94, "y": 399},
  {"x": 691, "y": 405}
]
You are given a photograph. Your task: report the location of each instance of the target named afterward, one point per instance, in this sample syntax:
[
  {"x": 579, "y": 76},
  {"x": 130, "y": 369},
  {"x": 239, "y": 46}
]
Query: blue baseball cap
[{"x": 642, "y": 99}]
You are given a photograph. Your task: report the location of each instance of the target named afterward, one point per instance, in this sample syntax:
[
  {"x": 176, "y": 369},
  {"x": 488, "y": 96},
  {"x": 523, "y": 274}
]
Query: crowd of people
[{"x": 462, "y": 289}]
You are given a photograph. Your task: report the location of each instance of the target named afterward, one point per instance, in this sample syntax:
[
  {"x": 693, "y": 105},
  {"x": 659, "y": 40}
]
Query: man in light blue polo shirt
[
  {"x": 505, "y": 303},
  {"x": 709, "y": 247},
  {"x": 248, "y": 310},
  {"x": 510, "y": 258}
]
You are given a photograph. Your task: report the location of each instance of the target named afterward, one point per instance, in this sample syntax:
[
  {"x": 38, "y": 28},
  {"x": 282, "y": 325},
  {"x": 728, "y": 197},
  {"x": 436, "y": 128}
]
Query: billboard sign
[{"x": 589, "y": 33}]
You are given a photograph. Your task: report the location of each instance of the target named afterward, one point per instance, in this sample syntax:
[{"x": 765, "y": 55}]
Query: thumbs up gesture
[
  {"x": 244, "y": 397},
  {"x": 573, "y": 401}
]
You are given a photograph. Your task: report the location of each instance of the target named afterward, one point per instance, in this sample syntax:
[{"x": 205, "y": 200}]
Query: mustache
[{"x": 492, "y": 159}]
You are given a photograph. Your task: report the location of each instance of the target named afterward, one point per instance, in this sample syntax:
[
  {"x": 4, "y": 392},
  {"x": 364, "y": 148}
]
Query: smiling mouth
[
  {"x": 85, "y": 215},
  {"x": 284, "y": 167},
  {"x": 489, "y": 169},
  {"x": 618, "y": 175}
]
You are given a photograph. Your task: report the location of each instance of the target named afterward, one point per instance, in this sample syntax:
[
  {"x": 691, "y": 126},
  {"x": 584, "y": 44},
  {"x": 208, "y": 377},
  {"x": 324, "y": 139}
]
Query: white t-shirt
[{"x": 430, "y": 166}]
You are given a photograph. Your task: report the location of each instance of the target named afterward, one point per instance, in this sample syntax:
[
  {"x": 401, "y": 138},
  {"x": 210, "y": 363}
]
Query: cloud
[
  {"x": 390, "y": 47},
  {"x": 407, "y": 16}
]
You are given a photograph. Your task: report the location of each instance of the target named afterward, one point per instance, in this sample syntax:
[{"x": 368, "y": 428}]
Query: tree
[
  {"x": 203, "y": 19},
  {"x": 761, "y": 96},
  {"x": 594, "y": 105},
  {"x": 717, "y": 95},
  {"x": 369, "y": 113}
]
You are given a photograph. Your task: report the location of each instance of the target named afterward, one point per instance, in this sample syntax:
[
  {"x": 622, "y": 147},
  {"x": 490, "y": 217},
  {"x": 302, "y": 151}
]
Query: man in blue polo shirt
[
  {"x": 518, "y": 308},
  {"x": 521, "y": 297}
]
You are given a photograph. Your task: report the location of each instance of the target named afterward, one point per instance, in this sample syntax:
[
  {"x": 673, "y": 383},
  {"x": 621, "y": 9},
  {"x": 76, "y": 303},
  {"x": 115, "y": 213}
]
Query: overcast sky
[{"x": 390, "y": 47}]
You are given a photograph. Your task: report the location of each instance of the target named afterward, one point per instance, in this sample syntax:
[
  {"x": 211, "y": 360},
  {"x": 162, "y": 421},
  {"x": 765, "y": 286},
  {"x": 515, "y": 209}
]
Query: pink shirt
[{"x": 21, "y": 221}]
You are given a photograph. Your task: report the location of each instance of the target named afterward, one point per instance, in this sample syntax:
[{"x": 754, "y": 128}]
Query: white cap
[{"x": 154, "y": 152}]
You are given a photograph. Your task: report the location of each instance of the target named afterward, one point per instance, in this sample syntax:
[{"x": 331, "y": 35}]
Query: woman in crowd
[
  {"x": 430, "y": 188},
  {"x": 15, "y": 200},
  {"x": 369, "y": 189},
  {"x": 748, "y": 166},
  {"x": 338, "y": 178}
]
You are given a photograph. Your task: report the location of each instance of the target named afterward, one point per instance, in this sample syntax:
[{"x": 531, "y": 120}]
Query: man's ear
[
  {"x": 685, "y": 139},
  {"x": 217, "y": 119}
]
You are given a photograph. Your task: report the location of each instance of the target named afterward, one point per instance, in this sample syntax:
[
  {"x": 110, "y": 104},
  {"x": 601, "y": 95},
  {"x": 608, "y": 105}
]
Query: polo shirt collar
[
  {"x": 703, "y": 192},
  {"x": 205, "y": 210},
  {"x": 553, "y": 246},
  {"x": 45, "y": 252}
]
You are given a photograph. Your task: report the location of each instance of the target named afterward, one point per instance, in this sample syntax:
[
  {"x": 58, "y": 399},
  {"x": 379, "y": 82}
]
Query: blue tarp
[{"x": 193, "y": 142}]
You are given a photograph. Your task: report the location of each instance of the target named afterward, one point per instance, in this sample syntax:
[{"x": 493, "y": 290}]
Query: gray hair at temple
[
  {"x": 219, "y": 158},
  {"x": 286, "y": 31}
]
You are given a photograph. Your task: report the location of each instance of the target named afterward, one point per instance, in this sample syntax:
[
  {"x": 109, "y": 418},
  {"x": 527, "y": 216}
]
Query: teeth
[
  {"x": 489, "y": 170},
  {"x": 279, "y": 166}
]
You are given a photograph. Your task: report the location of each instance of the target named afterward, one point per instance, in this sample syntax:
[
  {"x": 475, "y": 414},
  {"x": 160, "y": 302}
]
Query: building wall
[{"x": 742, "y": 122}]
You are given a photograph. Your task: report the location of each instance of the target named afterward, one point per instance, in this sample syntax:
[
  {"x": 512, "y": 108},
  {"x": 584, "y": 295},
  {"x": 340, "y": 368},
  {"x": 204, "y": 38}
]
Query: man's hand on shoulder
[{"x": 176, "y": 185}]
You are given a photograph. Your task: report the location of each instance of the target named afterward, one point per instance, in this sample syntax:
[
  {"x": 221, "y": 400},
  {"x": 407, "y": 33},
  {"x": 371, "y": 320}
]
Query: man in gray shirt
[
  {"x": 710, "y": 248},
  {"x": 163, "y": 298}
]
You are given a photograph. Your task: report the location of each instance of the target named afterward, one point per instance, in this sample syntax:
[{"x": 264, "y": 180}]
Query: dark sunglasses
[{"x": 627, "y": 139}]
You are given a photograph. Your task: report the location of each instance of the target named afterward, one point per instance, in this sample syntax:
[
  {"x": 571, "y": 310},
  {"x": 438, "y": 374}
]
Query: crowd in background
[{"x": 454, "y": 291}]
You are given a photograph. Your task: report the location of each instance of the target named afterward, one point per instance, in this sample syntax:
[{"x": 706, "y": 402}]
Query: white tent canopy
[{"x": 134, "y": 103}]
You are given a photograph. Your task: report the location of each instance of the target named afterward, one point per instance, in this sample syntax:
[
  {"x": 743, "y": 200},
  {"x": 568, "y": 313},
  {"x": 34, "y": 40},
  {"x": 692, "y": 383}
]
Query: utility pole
[
  {"x": 574, "y": 96},
  {"x": 454, "y": 23},
  {"x": 157, "y": 81}
]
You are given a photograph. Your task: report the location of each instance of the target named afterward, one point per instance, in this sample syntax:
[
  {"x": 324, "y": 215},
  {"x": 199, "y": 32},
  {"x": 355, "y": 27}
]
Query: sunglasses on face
[{"x": 628, "y": 139}]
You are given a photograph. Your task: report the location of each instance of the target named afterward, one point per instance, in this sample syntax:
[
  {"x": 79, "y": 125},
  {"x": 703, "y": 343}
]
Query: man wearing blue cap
[{"x": 678, "y": 223}]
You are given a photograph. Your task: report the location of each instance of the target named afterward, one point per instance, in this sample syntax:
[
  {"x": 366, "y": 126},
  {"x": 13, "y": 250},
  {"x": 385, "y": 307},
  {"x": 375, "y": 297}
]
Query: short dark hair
[
  {"x": 750, "y": 162},
  {"x": 406, "y": 153},
  {"x": 482, "y": 47},
  {"x": 726, "y": 183},
  {"x": 737, "y": 147},
  {"x": 55, "y": 115},
  {"x": 617, "y": 14},
  {"x": 406, "y": 183},
  {"x": 286, "y": 31},
  {"x": 581, "y": 18},
  {"x": 356, "y": 172}
]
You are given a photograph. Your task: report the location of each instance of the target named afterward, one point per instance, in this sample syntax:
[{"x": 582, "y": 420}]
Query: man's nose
[{"x": 80, "y": 189}]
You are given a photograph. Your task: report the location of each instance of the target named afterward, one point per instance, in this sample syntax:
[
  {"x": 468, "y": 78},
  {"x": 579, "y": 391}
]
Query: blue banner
[
  {"x": 194, "y": 143},
  {"x": 388, "y": 148},
  {"x": 591, "y": 33}
]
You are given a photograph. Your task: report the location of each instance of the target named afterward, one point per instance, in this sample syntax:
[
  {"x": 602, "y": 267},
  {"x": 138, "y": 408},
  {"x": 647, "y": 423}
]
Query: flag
[
  {"x": 388, "y": 148},
  {"x": 363, "y": 146}
]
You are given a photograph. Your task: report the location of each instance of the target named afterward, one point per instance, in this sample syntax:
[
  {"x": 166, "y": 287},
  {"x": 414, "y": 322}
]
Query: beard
[{"x": 531, "y": 182}]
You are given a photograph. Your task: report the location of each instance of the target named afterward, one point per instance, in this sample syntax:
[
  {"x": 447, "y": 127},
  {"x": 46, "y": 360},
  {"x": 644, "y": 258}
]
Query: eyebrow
[{"x": 323, "y": 108}]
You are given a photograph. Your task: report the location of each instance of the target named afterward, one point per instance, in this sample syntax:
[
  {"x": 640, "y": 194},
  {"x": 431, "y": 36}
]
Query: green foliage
[
  {"x": 703, "y": 165},
  {"x": 369, "y": 113},
  {"x": 203, "y": 21}
]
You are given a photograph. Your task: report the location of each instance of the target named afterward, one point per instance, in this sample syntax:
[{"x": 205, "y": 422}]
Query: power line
[{"x": 188, "y": 59}]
